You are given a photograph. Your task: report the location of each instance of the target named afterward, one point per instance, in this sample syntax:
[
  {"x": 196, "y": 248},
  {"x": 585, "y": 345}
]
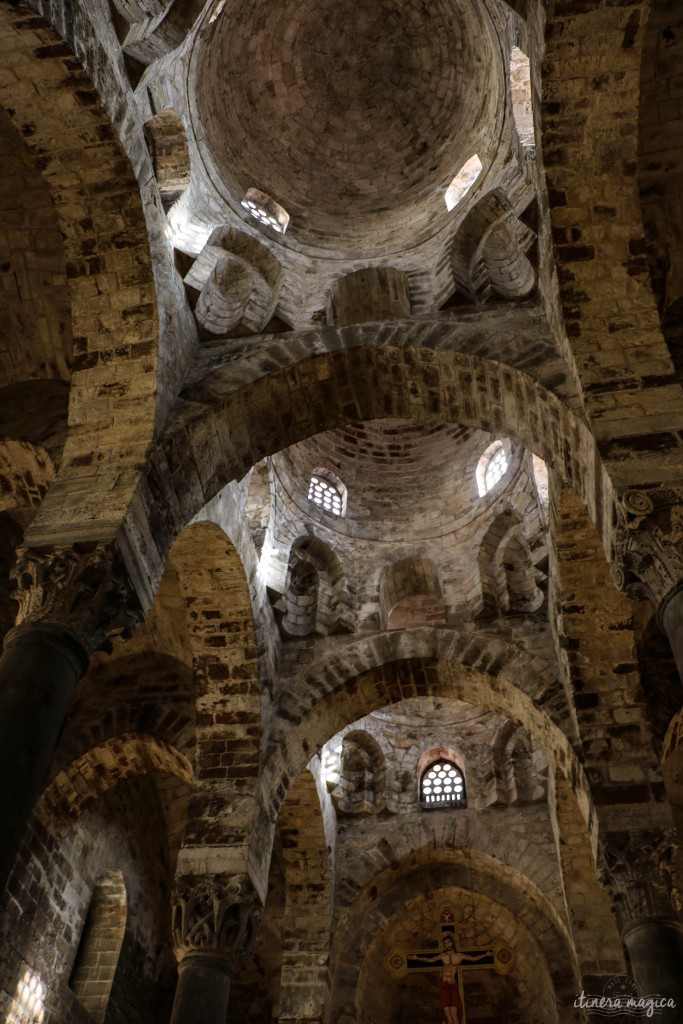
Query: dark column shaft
[
  {"x": 655, "y": 949},
  {"x": 672, "y": 620},
  {"x": 38, "y": 670},
  {"x": 203, "y": 988}
]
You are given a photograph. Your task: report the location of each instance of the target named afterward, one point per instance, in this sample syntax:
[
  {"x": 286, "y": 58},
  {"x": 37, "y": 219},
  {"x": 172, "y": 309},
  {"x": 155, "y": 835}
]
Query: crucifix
[{"x": 450, "y": 962}]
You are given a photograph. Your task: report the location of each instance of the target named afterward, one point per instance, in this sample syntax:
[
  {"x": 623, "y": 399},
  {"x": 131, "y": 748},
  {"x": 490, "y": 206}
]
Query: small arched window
[
  {"x": 520, "y": 89},
  {"x": 492, "y": 467},
  {"x": 265, "y": 210},
  {"x": 28, "y": 1006},
  {"x": 462, "y": 182},
  {"x": 442, "y": 785},
  {"x": 328, "y": 492}
]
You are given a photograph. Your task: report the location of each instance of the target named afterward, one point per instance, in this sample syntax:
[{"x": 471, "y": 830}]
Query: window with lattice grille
[
  {"x": 327, "y": 494},
  {"x": 493, "y": 465},
  {"x": 442, "y": 785},
  {"x": 28, "y": 1006}
]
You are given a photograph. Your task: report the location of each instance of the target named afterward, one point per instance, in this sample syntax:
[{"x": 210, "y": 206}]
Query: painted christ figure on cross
[
  {"x": 450, "y": 1000},
  {"x": 451, "y": 962}
]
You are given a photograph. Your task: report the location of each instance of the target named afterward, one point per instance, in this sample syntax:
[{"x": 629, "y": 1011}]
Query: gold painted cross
[{"x": 451, "y": 962}]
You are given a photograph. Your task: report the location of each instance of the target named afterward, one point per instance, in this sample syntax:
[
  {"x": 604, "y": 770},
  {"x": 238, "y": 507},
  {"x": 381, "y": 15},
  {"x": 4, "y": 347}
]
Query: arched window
[
  {"x": 462, "y": 182},
  {"x": 442, "y": 785},
  {"x": 28, "y": 1006},
  {"x": 265, "y": 210},
  {"x": 328, "y": 492},
  {"x": 98, "y": 953},
  {"x": 492, "y": 467},
  {"x": 520, "y": 90}
]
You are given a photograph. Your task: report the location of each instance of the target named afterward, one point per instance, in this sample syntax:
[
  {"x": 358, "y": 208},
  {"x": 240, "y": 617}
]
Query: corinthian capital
[
  {"x": 638, "y": 870},
  {"x": 81, "y": 591},
  {"x": 215, "y": 915},
  {"x": 648, "y": 543}
]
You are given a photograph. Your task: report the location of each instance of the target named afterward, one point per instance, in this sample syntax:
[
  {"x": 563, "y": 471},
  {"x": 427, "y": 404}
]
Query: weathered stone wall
[{"x": 47, "y": 900}]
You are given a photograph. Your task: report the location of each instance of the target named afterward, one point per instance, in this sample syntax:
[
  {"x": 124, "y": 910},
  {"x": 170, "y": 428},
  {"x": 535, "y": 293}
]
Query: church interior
[{"x": 341, "y": 510}]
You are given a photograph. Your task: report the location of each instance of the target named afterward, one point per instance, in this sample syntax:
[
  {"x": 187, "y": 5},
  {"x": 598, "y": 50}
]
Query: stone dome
[
  {"x": 355, "y": 118},
  {"x": 403, "y": 478}
]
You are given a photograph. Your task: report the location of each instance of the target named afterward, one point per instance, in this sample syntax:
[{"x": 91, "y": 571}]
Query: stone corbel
[
  {"x": 82, "y": 593},
  {"x": 215, "y": 915},
  {"x": 638, "y": 869}
]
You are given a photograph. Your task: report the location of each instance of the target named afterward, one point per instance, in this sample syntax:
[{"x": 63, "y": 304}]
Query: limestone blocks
[
  {"x": 167, "y": 143},
  {"x": 316, "y": 598},
  {"x": 373, "y": 293},
  {"x": 239, "y": 282},
  {"x": 489, "y": 253},
  {"x": 149, "y": 29}
]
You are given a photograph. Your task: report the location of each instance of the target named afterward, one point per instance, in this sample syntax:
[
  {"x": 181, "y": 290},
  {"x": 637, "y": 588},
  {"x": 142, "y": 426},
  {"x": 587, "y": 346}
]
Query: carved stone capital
[
  {"x": 638, "y": 869},
  {"x": 81, "y": 591},
  {"x": 647, "y": 552},
  {"x": 216, "y": 915}
]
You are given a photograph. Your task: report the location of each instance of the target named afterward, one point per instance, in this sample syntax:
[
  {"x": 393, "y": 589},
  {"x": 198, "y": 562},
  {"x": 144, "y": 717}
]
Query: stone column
[
  {"x": 71, "y": 600},
  {"x": 638, "y": 869},
  {"x": 215, "y": 921},
  {"x": 647, "y": 556}
]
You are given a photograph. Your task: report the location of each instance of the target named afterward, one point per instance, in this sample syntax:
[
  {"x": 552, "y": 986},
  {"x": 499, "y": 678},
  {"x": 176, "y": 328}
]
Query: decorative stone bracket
[
  {"x": 215, "y": 915},
  {"x": 82, "y": 591},
  {"x": 647, "y": 549},
  {"x": 638, "y": 869}
]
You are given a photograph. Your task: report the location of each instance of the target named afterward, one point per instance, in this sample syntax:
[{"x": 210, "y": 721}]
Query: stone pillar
[
  {"x": 215, "y": 921},
  {"x": 639, "y": 873},
  {"x": 647, "y": 556},
  {"x": 70, "y": 601},
  {"x": 671, "y": 618}
]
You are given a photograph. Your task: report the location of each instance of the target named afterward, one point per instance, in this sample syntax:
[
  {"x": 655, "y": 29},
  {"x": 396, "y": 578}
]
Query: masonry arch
[
  {"x": 362, "y": 787},
  {"x": 114, "y": 361},
  {"x": 224, "y": 431},
  {"x": 585, "y": 162},
  {"x": 321, "y": 702},
  {"x": 132, "y": 693},
  {"x": 506, "y": 572},
  {"x": 597, "y": 619},
  {"x": 460, "y": 872}
]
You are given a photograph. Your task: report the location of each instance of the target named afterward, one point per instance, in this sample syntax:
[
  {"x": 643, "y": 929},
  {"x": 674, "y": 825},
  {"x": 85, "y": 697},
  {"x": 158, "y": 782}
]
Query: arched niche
[
  {"x": 167, "y": 143},
  {"x": 316, "y": 599},
  {"x": 509, "y": 579},
  {"x": 362, "y": 775},
  {"x": 410, "y": 594},
  {"x": 520, "y": 767}
]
